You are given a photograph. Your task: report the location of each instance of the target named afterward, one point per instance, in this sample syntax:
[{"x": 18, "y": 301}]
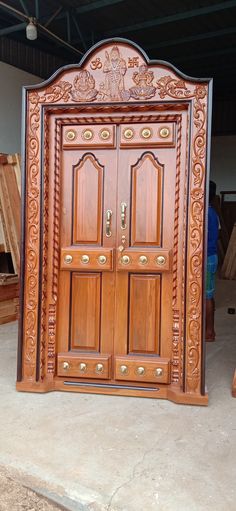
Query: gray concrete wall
[
  {"x": 223, "y": 162},
  {"x": 11, "y": 81}
]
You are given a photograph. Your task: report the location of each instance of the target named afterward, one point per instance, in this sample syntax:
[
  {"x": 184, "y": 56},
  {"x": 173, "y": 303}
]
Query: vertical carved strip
[
  {"x": 175, "y": 368},
  {"x": 43, "y": 340},
  {"x": 195, "y": 246},
  {"x": 51, "y": 357},
  {"x": 32, "y": 239}
]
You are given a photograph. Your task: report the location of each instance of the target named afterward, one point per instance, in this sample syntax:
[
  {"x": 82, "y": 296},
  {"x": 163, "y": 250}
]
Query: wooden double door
[{"x": 117, "y": 184}]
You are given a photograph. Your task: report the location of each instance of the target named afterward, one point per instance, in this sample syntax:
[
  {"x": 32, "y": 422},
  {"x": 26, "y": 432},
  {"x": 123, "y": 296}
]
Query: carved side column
[{"x": 195, "y": 267}]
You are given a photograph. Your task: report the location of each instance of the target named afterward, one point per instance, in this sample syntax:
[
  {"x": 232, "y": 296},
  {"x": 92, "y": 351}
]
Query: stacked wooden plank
[
  {"x": 229, "y": 265},
  {"x": 9, "y": 236}
]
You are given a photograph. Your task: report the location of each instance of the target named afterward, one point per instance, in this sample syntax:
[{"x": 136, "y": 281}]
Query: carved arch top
[{"x": 117, "y": 70}]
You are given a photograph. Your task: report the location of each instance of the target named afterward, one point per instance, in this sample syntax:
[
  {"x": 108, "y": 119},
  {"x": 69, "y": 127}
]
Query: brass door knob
[
  {"x": 99, "y": 368},
  {"x": 82, "y": 367},
  {"x": 125, "y": 259},
  {"x": 66, "y": 366},
  {"x": 143, "y": 259},
  {"x": 102, "y": 259},
  {"x": 160, "y": 260},
  {"x": 140, "y": 371},
  {"x": 123, "y": 369},
  {"x": 68, "y": 259},
  {"x": 159, "y": 371},
  {"x": 85, "y": 259}
]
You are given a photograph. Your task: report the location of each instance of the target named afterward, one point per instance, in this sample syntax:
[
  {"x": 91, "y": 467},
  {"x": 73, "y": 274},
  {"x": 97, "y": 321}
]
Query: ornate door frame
[{"x": 85, "y": 88}]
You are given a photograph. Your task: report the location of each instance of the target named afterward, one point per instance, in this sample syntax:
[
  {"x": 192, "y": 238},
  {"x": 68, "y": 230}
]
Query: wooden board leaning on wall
[{"x": 10, "y": 193}]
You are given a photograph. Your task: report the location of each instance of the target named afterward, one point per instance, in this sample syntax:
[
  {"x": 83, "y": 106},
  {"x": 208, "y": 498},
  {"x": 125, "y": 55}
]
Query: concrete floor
[{"x": 102, "y": 453}]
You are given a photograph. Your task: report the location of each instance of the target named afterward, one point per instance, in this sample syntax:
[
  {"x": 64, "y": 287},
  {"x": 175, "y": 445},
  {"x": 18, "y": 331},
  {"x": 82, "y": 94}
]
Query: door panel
[
  {"x": 144, "y": 314},
  {"x": 146, "y": 200},
  {"x": 85, "y": 311},
  {"x": 116, "y": 253},
  {"x": 87, "y": 201},
  {"x": 87, "y": 240}
]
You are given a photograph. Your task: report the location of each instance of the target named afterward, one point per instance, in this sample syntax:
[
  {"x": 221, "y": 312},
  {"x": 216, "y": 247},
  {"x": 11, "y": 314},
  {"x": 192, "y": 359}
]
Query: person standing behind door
[{"x": 212, "y": 262}]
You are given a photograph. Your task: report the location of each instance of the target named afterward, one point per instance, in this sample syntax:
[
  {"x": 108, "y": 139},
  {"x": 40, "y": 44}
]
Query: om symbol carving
[{"x": 96, "y": 64}]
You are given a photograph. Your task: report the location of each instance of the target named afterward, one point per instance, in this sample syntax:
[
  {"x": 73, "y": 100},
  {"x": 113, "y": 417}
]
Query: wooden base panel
[{"x": 172, "y": 393}]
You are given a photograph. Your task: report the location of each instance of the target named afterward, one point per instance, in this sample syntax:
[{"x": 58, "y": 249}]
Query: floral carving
[
  {"x": 173, "y": 87},
  {"x": 84, "y": 87},
  {"x": 143, "y": 79}
]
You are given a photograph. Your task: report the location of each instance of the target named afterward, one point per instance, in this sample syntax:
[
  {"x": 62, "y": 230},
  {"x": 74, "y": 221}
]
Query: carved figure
[
  {"x": 115, "y": 69},
  {"x": 144, "y": 87},
  {"x": 84, "y": 87}
]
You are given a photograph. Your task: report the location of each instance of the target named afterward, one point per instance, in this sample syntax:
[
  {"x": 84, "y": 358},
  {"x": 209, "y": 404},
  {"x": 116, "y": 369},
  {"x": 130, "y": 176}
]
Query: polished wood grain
[
  {"x": 87, "y": 201},
  {"x": 146, "y": 200},
  {"x": 85, "y": 311},
  {"x": 144, "y": 314},
  {"x": 84, "y": 366},
  {"x": 153, "y": 369},
  {"x": 94, "y": 254},
  {"x": 153, "y": 183}
]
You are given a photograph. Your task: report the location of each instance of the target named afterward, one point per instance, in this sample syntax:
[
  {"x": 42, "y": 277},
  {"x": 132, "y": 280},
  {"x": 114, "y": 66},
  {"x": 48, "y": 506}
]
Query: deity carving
[
  {"x": 113, "y": 89},
  {"x": 84, "y": 87},
  {"x": 143, "y": 79}
]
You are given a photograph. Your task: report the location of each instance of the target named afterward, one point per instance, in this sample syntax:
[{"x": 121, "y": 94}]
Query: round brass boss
[
  {"x": 143, "y": 259},
  {"x": 125, "y": 259},
  {"x": 158, "y": 371},
  {"x": 164, "y": 132},
  {"x": 160, "y": 260},
  {"x": 128, "y": 133},
  {"x": 66, "y": 366},
  {"x": 70, "y": 135},
  {"x": 123, "y": 369},
  {"x": 99, "y": 368},
  {"x": 140, "y": 371},
  {"x": 82, "y": 367},
  {"x": 87, "y": 135},
  {"x": 146, "y": 133},
  {"x": 102, "y": 259},
  {"x": 85, "y": 259},
  {"x": 68, "y": 259},
  {"x": 105, "y": 134}
]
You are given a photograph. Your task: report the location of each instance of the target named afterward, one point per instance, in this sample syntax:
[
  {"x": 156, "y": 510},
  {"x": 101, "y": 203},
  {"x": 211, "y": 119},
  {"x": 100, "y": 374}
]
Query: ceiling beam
[
  {"x": 54, "y": 15},
  {"x": 79, "y": 32},
  {"x": 201, "y": 11},
  {"x": 98, "y": 4},
  {"x": 192, "y": 38},
  {"x": 24, "y": 7},
  {"x": 13, "y": 28},
  {"x": 195, "y": 56}
]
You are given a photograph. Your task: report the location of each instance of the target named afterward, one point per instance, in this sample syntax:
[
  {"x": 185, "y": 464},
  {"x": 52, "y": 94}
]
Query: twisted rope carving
[
  {"x": 175, "y": 369},
  {"x": 56, "y": 211}
]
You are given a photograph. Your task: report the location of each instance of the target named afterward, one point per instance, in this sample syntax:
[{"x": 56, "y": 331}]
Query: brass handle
[
  {"x": 108, "y": 223},
  {"x": 123, "y": 215}
]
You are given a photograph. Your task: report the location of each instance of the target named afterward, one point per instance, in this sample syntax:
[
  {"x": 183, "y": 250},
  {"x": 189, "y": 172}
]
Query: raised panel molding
[
  {"x": 87, "y": 201},
  {"x": 146, "y": 220},
  {"x": 144, "y": 314},
  {"x": 85, "y": 311}
]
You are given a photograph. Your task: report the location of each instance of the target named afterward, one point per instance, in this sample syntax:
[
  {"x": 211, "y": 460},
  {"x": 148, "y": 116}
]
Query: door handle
[
  {"x": 108, "y": 223},
  {"x": 123, "y": 207}
]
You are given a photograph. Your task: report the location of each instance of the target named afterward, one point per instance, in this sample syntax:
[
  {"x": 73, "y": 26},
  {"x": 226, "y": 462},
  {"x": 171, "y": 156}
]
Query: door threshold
[{"x": 109, "y": 386}]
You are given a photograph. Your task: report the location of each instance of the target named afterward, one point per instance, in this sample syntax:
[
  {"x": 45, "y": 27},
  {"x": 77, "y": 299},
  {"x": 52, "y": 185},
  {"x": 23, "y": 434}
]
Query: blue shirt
[{"x": 213, "y": 227}]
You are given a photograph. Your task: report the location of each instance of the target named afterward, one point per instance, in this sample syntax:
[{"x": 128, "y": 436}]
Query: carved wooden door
[{"x": 116, "y": 252}]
